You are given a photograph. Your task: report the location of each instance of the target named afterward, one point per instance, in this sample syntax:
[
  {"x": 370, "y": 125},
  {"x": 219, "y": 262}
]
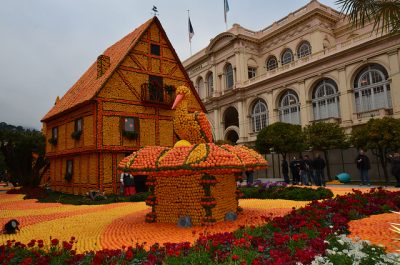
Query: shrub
[{"x": 288, "y": 193}]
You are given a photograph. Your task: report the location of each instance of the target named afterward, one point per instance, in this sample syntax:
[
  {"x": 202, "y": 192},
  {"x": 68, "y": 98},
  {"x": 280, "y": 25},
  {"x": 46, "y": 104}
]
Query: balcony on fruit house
[{"x": 158, "y": 95}]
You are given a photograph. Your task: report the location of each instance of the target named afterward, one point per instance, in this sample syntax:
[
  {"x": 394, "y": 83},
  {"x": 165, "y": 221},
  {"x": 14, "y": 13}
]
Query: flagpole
[
  {"x": 190, "y": 40},
  {"x": 225, "y": 16}
]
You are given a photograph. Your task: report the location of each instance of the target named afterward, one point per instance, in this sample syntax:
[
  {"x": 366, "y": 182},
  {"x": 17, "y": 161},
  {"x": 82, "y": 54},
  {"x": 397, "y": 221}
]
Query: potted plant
[
  {"x": 132, "y": 135},
  {"x": 76, "y": 135},
  {"x": 53, "y": 141}
]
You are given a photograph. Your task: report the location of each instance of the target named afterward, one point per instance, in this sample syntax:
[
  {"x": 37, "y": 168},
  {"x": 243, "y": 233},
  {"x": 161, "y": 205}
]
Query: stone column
[
  {"x": 394, "y": 75},
  {"x": 272, "y": 118},
  {"x": 217, "y": 124},
  {"x": 346, "y": 100},
  {"x": 242, "y": 122},
  {"x": 304, "y": 105},
  {"x": 215, "y": 78}
]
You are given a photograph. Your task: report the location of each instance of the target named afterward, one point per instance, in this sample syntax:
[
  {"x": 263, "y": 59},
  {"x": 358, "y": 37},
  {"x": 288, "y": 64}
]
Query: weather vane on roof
[{"x": 155, "y": 10}]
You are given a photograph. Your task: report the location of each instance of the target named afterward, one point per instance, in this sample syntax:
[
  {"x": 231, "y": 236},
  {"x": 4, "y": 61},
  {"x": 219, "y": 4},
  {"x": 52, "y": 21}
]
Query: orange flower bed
[
  {"x": 130, "y": 229},
  {"x": 376, "y": 229},
  {"x": 113, "y": 225}
]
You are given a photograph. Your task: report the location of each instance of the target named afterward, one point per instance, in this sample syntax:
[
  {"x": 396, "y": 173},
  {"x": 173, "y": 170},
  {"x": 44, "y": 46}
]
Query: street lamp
[{"x": 271, "y": 150}]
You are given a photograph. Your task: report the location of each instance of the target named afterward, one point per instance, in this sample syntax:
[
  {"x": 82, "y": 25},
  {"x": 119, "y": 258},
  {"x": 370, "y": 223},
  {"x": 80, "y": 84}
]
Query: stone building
[
  {"x": 309, "y": 66},
  {"x": 121, "y": 103}
]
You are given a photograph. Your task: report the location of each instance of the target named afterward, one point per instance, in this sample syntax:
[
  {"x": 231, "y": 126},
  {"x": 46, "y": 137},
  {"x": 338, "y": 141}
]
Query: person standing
[
  {"x": 309, "y": 170},
  {"x": 285, "y": 170},
  {"x": 121, "y": 186},
  {"x": 295, "y": 170},
  {"x": 363, "y": 165},
  {"x": 249, "y": 177},
  {"x": 303, "y": 171},
  {"x": 395, "y": 161},
  {"x": 319, "y": 167}
]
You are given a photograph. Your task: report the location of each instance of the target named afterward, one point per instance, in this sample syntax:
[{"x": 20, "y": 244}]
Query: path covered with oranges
[{"x": 121, "y": 224}]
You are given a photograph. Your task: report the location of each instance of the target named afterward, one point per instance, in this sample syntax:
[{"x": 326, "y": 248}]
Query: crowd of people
[
  {"x": 304, "y": 171},
  {"x": 309, "y": 172}
]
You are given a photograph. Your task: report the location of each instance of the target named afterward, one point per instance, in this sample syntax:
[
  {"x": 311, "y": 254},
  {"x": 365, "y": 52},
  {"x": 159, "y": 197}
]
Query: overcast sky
[{"x": 46, "y": 45}]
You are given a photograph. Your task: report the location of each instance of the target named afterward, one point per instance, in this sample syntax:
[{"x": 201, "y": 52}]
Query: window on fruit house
[
  {"x": 129, "y": 124},
  {"x": 79, "y": 125},
  {"x": 54, "y": 134},
  {"x": 155, "y": 49},
  {"x": 155, "y": 88},
  {"x": 69, "y": 171},
  {"x": 130, "y": 127}
]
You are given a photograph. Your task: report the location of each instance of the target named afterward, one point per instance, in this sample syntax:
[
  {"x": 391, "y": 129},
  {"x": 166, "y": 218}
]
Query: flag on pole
[
  {"x": 191, "y": 32},
  {"x": 226, "y": 8}
]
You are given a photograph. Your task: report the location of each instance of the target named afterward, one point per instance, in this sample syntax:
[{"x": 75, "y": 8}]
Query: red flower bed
[{"x": 298, "y": 236}]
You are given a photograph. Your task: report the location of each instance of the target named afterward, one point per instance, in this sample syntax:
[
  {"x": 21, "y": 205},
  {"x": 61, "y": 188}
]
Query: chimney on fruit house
[{"x": 103, "y": 63}]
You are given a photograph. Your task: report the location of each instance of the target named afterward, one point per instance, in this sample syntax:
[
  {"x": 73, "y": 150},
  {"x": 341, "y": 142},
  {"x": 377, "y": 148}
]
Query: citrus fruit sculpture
[{"x": 195, "y": 181}]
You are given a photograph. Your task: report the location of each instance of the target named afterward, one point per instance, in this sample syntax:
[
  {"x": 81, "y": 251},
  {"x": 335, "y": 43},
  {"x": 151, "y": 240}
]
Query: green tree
[
  {"x": 385, "y": 14},
  {"x": 23, "y": 152},
  {"x": 381, "y": 136},
  {"x": 322, "y": 136},
  {"x": 283, "y": 138}
]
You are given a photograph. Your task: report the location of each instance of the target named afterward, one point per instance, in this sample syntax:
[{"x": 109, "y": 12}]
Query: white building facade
[{"x": 311, "y": 65}]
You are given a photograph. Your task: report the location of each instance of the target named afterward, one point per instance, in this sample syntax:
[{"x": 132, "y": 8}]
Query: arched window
[
  {"x": 231, "y": 117},
  {"x": 287, "y": 56},
  {"x": 325, "y": 100},
  {"x": 304, "y": 49},
  {"x": 200, "y": 87},
  {"x": 259, "y": 115},
  {"x": 272, "y": 63},
  {"x": 289, "y": 108},
  {"x": 229, "y": 76},
  {"x": 210, "y": 84},
  {"x": 371, "y": 89}
]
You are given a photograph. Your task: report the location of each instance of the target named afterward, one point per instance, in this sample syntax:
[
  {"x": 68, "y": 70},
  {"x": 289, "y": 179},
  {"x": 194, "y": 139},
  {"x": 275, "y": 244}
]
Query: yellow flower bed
[
  {"x": 270, "y": 204},
  {"x": 87, "y": 228}
]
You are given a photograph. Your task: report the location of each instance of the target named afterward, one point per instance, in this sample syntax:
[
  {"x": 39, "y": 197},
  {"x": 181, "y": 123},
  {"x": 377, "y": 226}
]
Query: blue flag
[
  {"x": 191, "y": 31},
  {"x": 226, "y": 8}
]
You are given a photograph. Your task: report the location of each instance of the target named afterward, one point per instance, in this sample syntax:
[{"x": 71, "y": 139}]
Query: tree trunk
[
  {"x": 328, "y": 168},
  {"x": 383, "y": 161}
]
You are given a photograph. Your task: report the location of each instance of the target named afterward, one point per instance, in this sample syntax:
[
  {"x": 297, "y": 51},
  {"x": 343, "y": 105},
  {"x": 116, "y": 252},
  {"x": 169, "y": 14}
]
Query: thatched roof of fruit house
[
  {"x": 200, "y": 158},
  {"x": 89, "y": 85}
]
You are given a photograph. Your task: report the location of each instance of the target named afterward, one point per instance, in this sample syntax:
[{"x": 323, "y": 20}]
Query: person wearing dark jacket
[
  {"x": 363, "y": 165},
  {"x": 295, "y": 170},
  {"x": 319, "y": 167},
  {"x": 285, "y": 170},
  {"x": 303, "y": 171},
  {"x": 309, "y": 168},
  {"x": 395, "y": 161}
]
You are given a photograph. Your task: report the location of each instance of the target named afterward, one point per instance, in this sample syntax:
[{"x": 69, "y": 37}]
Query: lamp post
[{"x": 271, "y": 150}]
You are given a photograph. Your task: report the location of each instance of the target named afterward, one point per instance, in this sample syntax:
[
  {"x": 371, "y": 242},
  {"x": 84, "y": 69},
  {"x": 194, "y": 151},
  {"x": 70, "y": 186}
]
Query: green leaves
[
  {"x": 282, "y": 137},
  {"x": 385, "y": 13},
  {"x": 325, "y": 136},
  {"x": 377, "y": 133},
  {"x": 18, "y": 145}
]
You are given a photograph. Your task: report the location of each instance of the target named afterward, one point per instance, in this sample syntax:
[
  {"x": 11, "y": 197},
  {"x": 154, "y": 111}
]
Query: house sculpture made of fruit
[
  {"x": 195, "y": 179},
  {"x": 121, "y": 103}
]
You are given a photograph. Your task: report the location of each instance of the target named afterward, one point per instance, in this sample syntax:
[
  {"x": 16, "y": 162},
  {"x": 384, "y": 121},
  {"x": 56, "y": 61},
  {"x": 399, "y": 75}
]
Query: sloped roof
[{"x": 87, "y": 87}]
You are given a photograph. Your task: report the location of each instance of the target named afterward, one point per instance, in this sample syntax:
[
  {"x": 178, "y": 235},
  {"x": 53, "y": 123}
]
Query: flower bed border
[{"x": 297, "y": 237}]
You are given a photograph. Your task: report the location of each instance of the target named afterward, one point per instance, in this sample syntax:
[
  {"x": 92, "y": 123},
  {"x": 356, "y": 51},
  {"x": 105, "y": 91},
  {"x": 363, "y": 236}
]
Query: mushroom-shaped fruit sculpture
[
  {"x": 196, "y": 181},
  {"x": 193, "y": 127}
]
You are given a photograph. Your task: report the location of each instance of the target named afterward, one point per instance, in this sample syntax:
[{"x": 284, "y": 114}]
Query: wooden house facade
[{"x": 121, "y": 103}]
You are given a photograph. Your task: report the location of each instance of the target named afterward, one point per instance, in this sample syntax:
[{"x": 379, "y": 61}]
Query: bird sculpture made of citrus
[
  {"x": 193, "y": 127},
  {"x": 196, "y": 178}
]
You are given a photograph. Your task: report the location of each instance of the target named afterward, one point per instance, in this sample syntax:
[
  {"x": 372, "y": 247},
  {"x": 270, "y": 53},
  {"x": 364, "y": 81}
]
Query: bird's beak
[{"x": 178, "y": 99}]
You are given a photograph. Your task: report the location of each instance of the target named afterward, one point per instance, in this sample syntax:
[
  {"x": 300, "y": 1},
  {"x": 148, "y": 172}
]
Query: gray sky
[{"x": 46, "y": 45}]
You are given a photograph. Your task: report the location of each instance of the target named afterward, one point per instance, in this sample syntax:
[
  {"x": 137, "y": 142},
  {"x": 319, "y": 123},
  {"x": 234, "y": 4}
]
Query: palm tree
[{"x": 384, "y": 13}]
